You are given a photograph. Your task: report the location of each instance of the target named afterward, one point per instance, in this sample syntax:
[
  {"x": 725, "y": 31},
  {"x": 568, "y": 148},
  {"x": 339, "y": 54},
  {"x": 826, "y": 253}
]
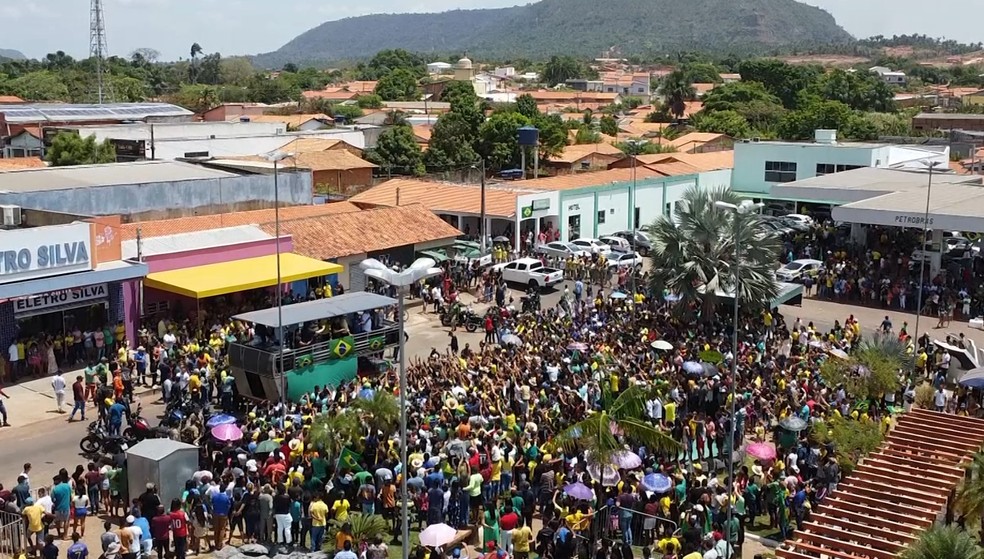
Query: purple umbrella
[
  {"x": 220, "y": 419},
  {"x": 579, "y": 491},
  {"x": 227, "y": 432},
  {"x": 762, "y": 451},
  {"x": 626, "y": 460}
]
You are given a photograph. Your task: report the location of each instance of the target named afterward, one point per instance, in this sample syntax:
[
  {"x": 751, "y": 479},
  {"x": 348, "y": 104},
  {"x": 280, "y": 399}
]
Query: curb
[{"x": 767, "y": 542}]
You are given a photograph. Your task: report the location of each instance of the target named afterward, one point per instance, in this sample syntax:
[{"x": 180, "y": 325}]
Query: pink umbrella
[
  {"x": 227, "y": 432},
  {"x": 762, "y": 451}
]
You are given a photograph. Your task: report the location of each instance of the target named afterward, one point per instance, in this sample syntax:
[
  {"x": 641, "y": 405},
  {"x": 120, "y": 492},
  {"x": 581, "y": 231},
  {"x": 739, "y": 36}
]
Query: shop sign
[
  {"x": 42, "y": 301},
  {"x": 541, "y": 204},
  {"x": 574, "y": 208},
  {"x": 44, "y": 251},
  {"x": 912, "y": 220}
]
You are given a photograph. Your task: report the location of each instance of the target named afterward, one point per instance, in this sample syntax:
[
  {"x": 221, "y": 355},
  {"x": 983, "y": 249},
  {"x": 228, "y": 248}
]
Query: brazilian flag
[
  {"x": 377, "y": 343},
  {"x": 349, "y": 459},
  {"x": 341, "y": 348}
]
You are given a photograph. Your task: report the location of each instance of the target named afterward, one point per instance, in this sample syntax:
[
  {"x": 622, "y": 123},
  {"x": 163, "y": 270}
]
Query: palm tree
[
  {"x": 693, "y": 255},
  {"x": 943, "y": 542},
  {"x": 625, "y": 417},
  {"x": 380, "y": 413},
  {"x": 677, "y": 89},
  {"x": 970, "y": 494},
  {"x": 333, "y": 431}
]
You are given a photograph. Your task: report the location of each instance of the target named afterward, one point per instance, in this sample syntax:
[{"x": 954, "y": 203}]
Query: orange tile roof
[
  {"x": 331, "y": 95},
  {"x": 441, "y": 197},
  {"x": 708, "y": 161},
  {"x": 694, "y": 139},
  {"x": 575, "y": 153},
  {"x": 11, "y": 99},
  {"x": 304, "y": 145},
  {"x": 423, "y": 133},
  {"x": 17, "y": 163},
  {"x": 637, "y": 127},
  {"x": 691, "y": 107},
  {"x": 955, "y": 166},
  {"x": 582, "y": 180},
  {"x": 162, "y": 227},
  {"x": 672, "y": 168},
  {"x": 326, "y": 160},
  {"x": 554, "y": 96},
  {"x": 352, "y": 233},
  {"x": 294, "y": 121},
  {"x": 605, "y": 138},
  {"x": 702, "y": 88}
]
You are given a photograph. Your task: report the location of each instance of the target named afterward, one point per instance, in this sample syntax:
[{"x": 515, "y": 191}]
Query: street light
[
  {"x": 276, "y": 157},
  {"x": 480, "y": 165},
  {"x": 422, "y": 268},
  {"x": 746, "y": 207},
  {"x": 634, "y": 144},
  {"x": 931, "y": 165}
]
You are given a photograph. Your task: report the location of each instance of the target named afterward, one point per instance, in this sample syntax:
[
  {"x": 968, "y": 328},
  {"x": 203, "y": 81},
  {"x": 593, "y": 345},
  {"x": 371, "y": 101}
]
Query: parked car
[
  {"x": 560, "y": 249},
  {"x": 925, "y": 253},
  {"x": 531, "y": 272},
  {"x": 957, "y": 246},
  {"x": 794, "y": 224},
  {"x": 593, "y": 246},
  {"x": 620, "y": 260},
  {"x": 799, "y": 218},
  {"x": 618, "y": 244},
  {"x": 777, "y": 226},
  {"x": 638, "y": 240},
  {"x": 796, "y": 270}
]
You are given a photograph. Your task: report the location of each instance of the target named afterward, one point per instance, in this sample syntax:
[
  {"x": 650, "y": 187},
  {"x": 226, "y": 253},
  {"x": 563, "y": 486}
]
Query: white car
[
  {"x": 529, "y": 271},
  {"x": 617, "y": 244},
  {"x": 624, "y": 260},
  {"x": 560, "y": 249},
  {"x": 800, "y": 218},
  {"x": 593, "y": 246},
  {"x": 798, "y": 269}
]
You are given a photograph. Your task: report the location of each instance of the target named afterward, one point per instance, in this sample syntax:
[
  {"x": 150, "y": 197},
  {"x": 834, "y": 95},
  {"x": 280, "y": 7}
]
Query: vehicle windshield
[{"x": 792, "y": 266}]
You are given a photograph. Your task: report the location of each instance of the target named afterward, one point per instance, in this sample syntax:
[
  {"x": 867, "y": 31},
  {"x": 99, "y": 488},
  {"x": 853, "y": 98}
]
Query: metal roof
[
  {"x": 68, "y": 112},
  {"x": 81, "y": 176},
  {"x": 197, "y": 240},
  {"x": 310, "y": 311},
  {"x": 867, "y": 182}
]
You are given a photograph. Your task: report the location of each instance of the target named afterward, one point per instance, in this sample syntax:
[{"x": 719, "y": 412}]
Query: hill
[
  {"x": 584, "y": 28},
  {"x": 12, "y": 54}
]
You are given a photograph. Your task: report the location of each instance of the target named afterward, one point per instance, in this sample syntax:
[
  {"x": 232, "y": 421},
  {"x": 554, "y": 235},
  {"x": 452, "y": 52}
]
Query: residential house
[
  {"x": 583, "y": 157},
  {"x": 299, "y": 122},
  {"x": 975, "y": 98},
  {"x": 575, "y": 99},
  {"x": 889, "y": 76},
  {"x": 629, "y": 85},
  {"x": 702, "y": 88},
  {"x": 337, "y": 173},
  {"x": 948, "y": 121},
  {"x": 229, "y": 111},
  {"x": 730, "y": 78},
  {"x": 434, "y": 68},
  {"x": 579, "y": 84},
  {"x": 699, "y": 142},
  {"x": 505, "y": 72},
  {"x": 669, "y": 164},
  {"x": 422, "y": 135}
]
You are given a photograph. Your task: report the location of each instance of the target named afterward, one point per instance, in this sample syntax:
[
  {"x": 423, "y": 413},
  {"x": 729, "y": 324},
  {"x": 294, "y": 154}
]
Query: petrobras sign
[
  {"x": 35, "y": 303},
  {"x": 45, "y": 251}
]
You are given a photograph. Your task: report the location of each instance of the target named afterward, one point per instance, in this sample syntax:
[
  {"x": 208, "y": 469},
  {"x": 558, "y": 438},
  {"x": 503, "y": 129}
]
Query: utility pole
[
  {"x": 481, "y": 223},
  {"x": 153, "y": 148},
  {"x": 140, "y": 291}
]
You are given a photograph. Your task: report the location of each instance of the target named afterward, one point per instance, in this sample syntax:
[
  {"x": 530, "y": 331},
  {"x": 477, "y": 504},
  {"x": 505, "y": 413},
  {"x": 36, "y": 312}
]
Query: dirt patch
[{"x": 824, "y": 59}]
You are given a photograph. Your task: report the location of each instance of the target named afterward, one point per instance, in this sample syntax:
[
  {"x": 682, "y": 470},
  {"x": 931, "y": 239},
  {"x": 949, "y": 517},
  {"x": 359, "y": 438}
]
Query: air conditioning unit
[
  {"x": 756, "y": 140},
  {"x": 10, "y": 216}
]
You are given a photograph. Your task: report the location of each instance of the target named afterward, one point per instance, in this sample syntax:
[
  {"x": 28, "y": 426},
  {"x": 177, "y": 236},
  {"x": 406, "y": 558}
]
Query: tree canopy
[
  {"x": 68, "y": 148},
  {"x": 398, "y": 85},
  {"x": 397, "y": 151}
]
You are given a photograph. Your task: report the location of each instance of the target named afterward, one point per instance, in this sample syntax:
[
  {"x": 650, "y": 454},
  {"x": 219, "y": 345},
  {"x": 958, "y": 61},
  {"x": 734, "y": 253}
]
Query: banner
[
  {"x": 377, "y": 343},
  {"x": 350, "y": 460},
  {"x": 341, "y": 348}
]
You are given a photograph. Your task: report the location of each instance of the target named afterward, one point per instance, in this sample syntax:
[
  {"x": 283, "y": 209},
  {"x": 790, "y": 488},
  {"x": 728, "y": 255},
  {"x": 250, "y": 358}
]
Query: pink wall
[{"x": 215, "y": 255}]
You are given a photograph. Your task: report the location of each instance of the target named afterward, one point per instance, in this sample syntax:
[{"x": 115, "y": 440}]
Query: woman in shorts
[{"x": 80, "y": 509}]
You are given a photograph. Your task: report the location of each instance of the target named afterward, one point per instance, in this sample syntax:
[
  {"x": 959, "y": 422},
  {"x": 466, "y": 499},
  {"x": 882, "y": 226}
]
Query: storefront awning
[
  {"x": 211, "y": 280},
  {"x": 109, "y": 272}
]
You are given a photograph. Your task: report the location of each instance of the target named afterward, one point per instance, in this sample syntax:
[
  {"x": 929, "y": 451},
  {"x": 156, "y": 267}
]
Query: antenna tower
[{"x": 98, "y": 48}]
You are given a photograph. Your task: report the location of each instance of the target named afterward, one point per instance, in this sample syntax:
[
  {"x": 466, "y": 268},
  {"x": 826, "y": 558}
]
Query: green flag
[
  {"x": 349, "y": 459},
  {"x": 342, "y": 347},
  {"x": 377, "y": 343}
]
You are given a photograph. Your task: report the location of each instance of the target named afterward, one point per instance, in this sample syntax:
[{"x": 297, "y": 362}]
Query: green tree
[
  {"x": 381, "y": 412},
  {"x": 197, "y": 98},
  {"x": 397, "y": 151},
  {"x": 644, "y": 148},
  {"x": 722, "y": 122},
  {"x": 272, "y": 90},
  {"x": 970, "y": 494},
  {"x": 560, "y": 69},
  {"x": 526, "y": 106},
  {"x": 702, "y": 72},
  {"x": 210, "y": 69},
  {"x": 454, "y": 136},
  {"x": 385, "y": 61},
  {"x": 587, "y": 135},
  {"x": 127, "y": 89},
  {"x": 331, "y": 432},
  {"x": 677, "y": 89},
  {"x": 783, "y": 80},
  {"x": 71, "y": 149},
  {"x": 943, "y": 542},
  {"x": 195, "y": 50},
  {"x": 608, "y": 125},
  {"x": 553, "y": 134},
  {"x": 236, "y": 70},
  {"x": 398, "y": 85},
  {"x": 694, "y": 254},
  {"x": 624, "y": 415},
  {"x": 370, "y": 101},
  {"x": 498, "y": 141},
  {"x": 852, "y": 439},
  {"x": 43, "y": 85},
  {"x": 346, "y": 112},
  {"x": 760, "y": 108},
  {"x": 800, "y": 124},
  {"x": 860, "y": 91},
  {"x": 458, "y": 92}
]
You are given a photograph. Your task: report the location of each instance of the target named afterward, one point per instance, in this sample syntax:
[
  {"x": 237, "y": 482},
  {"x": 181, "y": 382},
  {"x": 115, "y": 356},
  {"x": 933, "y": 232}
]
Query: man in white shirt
[
  {"x": 44, "y": 500},
  {"x": 58, "y": 385},
  {"x": 14, "y": 357},
  {"x": 939, "y": 399}
]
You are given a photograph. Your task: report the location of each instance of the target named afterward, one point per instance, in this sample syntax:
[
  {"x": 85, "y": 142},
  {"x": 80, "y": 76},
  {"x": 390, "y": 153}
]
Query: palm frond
[
  {"x": 593, "y": 434},
  {"x": 970, "y": 494},
  {"x": 943, "y": 542}
]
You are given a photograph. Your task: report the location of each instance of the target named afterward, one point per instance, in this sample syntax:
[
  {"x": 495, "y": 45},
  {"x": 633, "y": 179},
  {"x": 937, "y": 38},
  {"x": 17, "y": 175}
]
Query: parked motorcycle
[{"x": 99, "y": 441}]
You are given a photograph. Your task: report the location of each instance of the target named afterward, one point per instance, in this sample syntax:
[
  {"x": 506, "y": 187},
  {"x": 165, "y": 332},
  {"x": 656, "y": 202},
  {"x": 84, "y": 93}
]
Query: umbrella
[
  {"x": 432, "y": 461},
  {"x": 577, "y": 346},
  {"x": 437, "y": 535},
  {"x": 500, "y": 239},
  {"x": 838, "y": 353},
  {"x": 618, "y": 295},
  {"x": 709, "y": 369},
  {"x": 227, "y": 432},
  {"x": 671, "y": 298},
  {"x": 973, "y": 378},
  {"x": 793, "y": 423},
  {"x": 662, "y": 345},
  {"x": 609, "y": 477},
  {"x": 220, "y": 419},
  {"x": 816, "y": 344},
  {"x": 693, "y": 367},
  {"x": 267, "y": 446},
  {"x": 510, "y": 339},
  {"x": 367, "y": 393},
  {"x": 762, "y": 451},
  {"x": 579, "y": 491},
  {"x": 657, "y": 483},
  {"x": 626, "y": 460},
  {"x": 711, "y": 356}
]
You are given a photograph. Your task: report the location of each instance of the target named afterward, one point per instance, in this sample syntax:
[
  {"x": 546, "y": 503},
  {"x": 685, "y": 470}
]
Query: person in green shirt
[
  {"x": 490, "y": 524},
  {"x": 90, "y": 381},
  {"x": 319, "y": 467}
]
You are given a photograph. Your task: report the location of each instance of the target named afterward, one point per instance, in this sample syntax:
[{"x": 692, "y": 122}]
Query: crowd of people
[{"x": 495, "y": 437}]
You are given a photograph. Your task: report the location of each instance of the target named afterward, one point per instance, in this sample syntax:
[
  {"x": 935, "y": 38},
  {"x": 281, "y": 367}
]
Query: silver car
[{"x": 560, "y": 249}]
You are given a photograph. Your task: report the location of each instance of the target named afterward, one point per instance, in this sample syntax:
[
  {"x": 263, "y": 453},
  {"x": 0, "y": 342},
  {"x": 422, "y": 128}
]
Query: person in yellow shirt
[
  {"x": 319, "y": 521},
  {"x": 522, "y": 536},
  {"x": 340, "y": 510},
  {"x": 33, "y": 515}
]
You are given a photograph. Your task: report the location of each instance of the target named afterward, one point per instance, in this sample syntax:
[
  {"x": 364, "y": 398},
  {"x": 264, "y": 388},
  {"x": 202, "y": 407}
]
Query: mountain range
[
  {"x": 583, "y": 28},
  {"x": 12, "y": 54}
]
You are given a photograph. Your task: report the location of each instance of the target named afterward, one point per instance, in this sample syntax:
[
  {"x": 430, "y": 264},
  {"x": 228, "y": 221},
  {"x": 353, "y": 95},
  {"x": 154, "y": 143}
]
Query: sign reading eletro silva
[
  {"x": 45, "y": 251},
  {"x": 35, "y": 303}
]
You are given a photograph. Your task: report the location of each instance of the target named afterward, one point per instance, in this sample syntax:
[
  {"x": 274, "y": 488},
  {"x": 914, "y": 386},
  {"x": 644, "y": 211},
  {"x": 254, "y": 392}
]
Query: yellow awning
[{"x": 211, "y": 280}]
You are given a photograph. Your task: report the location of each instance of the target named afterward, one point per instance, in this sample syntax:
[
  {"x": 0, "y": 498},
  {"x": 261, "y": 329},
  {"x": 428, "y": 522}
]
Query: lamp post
[
  {"x": 276, "y": 157},
  {"x": 480, "y": 165},
  {"x": 634, "y": 144},
  {"x": 931, "y": 165},
  {"x": 422, "y": 268},
  {"x": 746, "y": 207}
]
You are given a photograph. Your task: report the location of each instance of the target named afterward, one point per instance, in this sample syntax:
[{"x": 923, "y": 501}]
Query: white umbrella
[
  {"x": 838, "y": 353},
  {"x": 437, "y": 535},
  {"x": 608, "y": 475},
  {"x": 662, "y": 345}
]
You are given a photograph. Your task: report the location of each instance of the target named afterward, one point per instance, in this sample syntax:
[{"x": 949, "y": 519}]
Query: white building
[
  {"x": 888, "y": 75},
  {"x": 760, "y": 166},
  {"x": 438, "y": 68},
  {"x": 505, "y": 71}
]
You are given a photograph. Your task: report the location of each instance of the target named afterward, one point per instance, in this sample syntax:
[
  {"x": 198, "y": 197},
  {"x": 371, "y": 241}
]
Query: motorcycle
[
  {"x": 531, "y": 302},
  {"x": 99, "y": 441},
  {"x": 470, "y": 319}
]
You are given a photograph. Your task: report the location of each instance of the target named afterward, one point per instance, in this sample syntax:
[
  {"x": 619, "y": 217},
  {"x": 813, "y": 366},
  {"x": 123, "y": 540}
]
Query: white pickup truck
[{"x": 530, "y": 271}]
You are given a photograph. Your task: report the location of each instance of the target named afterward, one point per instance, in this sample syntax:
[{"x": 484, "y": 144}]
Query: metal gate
[{"x": 13, "y": 535}]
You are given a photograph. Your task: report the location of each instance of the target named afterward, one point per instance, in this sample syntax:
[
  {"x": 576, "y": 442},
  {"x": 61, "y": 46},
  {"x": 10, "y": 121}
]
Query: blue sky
[{"x": 36, "y": 27}]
